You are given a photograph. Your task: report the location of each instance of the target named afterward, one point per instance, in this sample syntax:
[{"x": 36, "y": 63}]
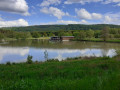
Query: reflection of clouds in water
[
  {"x": 111, "y": 53},
  {"x": 65, "y": 53},
  {"x": 12, "y": 51},
  {"x": 15, "y": 54},
  {"x": 62, "y": 53}
]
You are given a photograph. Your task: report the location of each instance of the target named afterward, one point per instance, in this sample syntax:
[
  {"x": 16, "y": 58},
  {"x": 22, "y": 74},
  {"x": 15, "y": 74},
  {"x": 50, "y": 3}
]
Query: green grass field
[{"x": 95, "y": 74}]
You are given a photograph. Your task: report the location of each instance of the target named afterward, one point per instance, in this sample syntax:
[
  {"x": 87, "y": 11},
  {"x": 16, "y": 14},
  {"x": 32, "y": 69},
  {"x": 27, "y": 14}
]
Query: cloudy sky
[{"x": 42, "y": 12}]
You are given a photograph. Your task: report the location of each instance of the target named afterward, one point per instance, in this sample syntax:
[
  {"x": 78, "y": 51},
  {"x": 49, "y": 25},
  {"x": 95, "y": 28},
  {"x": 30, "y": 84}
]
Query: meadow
[{"x": 74, "y": 74}]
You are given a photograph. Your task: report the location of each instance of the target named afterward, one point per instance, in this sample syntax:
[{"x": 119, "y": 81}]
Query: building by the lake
[{"x": 62, "y": 38}]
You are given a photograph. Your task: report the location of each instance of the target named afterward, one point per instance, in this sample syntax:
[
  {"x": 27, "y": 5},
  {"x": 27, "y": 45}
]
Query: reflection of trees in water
[
  {"x": 46, "y": 55},
  {"x": 105, "y": 49},
  {"x": 107, "y": 46},
  {"x": 70, "y": 44}
]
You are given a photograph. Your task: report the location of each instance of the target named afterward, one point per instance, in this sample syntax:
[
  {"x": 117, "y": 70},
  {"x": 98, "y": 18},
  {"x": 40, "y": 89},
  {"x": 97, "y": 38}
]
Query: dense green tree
[
  {"x": 97, "y": 34},
  {"x": 105, "y": 33},
  {"x": 36, "y": 34},
  {"x": 28, "y": 35},
  {"x": 90, "y": 33},
  {"x": 46, "y": 28},
  {"x": 45, "y": 34},
  {"x": 2, "y": 36},
  {"x": 51, "y": 34},
  {"x": 111, "y": 36},
  {"x": 80, "y": 35},
  {"x": 117, "y": 35},
  {"x": 76, "y": 34},
  {"x": 61, "y": 33}
]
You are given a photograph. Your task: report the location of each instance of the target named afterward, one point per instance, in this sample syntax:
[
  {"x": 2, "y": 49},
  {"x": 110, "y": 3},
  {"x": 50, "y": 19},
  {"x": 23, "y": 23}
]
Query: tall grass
[{"x": 95, "y": 74}]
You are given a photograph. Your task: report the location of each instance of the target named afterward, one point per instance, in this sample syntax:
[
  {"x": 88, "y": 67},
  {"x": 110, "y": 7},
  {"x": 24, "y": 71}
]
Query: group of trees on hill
[
  {"x": 105, "y": 33},
  {"x": 50, "y": 28}
]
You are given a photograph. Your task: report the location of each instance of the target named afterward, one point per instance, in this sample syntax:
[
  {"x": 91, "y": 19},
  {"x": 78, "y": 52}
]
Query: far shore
[{"x": 47, "y": 38}]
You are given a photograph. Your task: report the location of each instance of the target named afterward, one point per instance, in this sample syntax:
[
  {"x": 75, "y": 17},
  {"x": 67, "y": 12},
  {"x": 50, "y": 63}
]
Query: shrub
[
  {"x": 8, "y": 63},
  {"x": 52, "y": 60},
  {"x": 29, "y": 59},
  {"x": 13, "y": 63}
]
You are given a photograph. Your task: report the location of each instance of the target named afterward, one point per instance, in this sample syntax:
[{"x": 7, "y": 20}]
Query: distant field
[{"x": 95, "y": 74}]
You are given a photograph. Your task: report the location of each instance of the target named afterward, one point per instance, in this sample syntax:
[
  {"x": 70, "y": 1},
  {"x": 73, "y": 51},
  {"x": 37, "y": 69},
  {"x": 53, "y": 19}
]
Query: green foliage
[
  {"x": 61, "y": 33},
  {"x": 8, "y": 63},
  {"x": 49, "y": 28},
  {"x": 95, "y": 74},
  {"x": 80, "y": 35},
  {"x": 29, "y": 59},
  {"x": 97, "y": 34},
  {"x": 76, "y": 34},
  {"x": 90, "y": 34},
  {"x": 2, "y": 36},
  {"x": 51, "y": 34},
  {"x": 52, "y": 60},
  {"x": 105, "y": 33},
  {"x": 36, "y": 34},
  {"x": 68, "y": 33}
]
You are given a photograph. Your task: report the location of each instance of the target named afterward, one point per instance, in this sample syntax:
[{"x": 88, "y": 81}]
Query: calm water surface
[{"x": 17, "y": 51}]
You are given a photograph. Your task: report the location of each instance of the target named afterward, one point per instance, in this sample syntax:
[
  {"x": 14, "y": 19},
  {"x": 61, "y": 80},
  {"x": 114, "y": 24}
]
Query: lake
[{"x": 17, "y": 51}]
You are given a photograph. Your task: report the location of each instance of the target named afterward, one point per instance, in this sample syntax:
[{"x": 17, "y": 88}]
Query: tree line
[
  {"x": 105, "y": 33},
  {"x": 47, "y": 28}
]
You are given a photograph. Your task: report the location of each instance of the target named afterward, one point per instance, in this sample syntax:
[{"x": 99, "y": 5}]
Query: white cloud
[
  {"x": 54, "y": 11},
  {"x": 14, "y": 23},
  {"x": 14, "y": 6},
  {"x": 87, "y": 18},
  {"x": 1, "y": 18},
  {"x": 50, "y": 2},
  {"x": 84, "y": 14},
  {"x": 117, "y": 2},
  {"x": 108, "y": 19},
  {"x": 80, "y": 1},
  {"x": 111, "y": 1},
  {"x": 96, "y": 16},
  {"x": 111, "y": 20},
  {"x": 65, "y": 22}
]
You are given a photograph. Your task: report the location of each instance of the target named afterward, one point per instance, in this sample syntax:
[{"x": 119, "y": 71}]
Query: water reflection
[
  {"x": 18, "y": 51},
  {"x": 62, "y": 54},
  {"x": 13, "y": 54}
]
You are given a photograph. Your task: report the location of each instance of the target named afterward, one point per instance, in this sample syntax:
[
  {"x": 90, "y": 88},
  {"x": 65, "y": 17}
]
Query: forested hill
[{"x": 63, "y": 27}]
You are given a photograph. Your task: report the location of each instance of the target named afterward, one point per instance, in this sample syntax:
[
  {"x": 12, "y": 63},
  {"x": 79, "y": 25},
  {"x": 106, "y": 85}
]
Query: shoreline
[
  {"x": 98, "y": 40},
  {"x": 47, "y": 38}
]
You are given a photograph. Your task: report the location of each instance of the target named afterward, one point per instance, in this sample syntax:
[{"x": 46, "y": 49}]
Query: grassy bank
[
  {"x": 99, "y": 40},
  {"x": 13, "y": 39},
  {"x": 95, "y": 74},
  {"x": 46, "y": 38}
]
